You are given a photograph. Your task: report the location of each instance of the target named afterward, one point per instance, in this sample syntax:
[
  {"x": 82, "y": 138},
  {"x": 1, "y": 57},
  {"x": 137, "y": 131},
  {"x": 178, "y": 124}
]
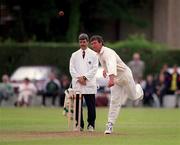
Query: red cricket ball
[{"x": 61, "y": 13}]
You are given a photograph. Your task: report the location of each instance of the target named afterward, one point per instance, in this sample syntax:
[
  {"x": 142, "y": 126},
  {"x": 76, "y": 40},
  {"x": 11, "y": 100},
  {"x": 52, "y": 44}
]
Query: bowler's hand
[{"x": 111, "y": 81}]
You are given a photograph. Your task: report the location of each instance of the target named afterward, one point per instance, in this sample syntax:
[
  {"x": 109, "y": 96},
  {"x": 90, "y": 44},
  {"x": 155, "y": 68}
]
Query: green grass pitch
[{"x": 47, "y": 126}]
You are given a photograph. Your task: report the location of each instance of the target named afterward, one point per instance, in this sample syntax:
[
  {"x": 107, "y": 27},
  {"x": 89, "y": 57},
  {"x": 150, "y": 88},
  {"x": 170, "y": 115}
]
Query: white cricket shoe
[
  {"x": 139, "y": 92},
  {"x": 109, "y": 128},
  {"x": 90, "y": 128}
]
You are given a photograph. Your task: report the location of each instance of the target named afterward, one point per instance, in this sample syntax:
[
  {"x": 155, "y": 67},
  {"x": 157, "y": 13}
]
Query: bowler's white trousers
[{"x": 124, "y": 88}]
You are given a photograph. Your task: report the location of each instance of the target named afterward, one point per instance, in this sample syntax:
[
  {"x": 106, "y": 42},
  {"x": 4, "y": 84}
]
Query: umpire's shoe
[{"x": 90, "y": 128}]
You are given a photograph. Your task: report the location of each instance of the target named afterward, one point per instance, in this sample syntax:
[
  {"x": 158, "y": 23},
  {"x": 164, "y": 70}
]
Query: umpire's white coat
[
  {"x": 84, "y": 67},
  {"x": 124, "y": 83}
]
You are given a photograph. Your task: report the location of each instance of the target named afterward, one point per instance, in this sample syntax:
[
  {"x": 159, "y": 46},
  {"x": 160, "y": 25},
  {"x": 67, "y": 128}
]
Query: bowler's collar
[{"x": 102, "y": 50}]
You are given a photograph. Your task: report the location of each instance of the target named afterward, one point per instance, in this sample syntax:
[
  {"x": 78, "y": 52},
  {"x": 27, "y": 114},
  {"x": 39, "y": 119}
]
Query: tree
[
  {"x": 74, "y": 21},
  {"x": 39, "y": 19}
]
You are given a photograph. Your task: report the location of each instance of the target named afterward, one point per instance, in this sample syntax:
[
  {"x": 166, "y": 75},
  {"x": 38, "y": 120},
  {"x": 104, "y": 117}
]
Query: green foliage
[
  {"x": 30, "y": 18},
  {"x": 74, "y": 22},
  {"x": 154, "y": 54},
  {"x": 38, "y": 20},
  {"x": 123, "y": 10},
  {"x": 58, "y": 54},
  {"x": 18, "y": 54},
  {"x": 137, "y": 42}
]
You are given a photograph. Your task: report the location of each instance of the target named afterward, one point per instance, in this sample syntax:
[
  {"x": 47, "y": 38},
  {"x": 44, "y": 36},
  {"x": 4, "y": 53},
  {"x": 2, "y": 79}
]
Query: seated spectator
[
  {"x": 6, "y": 89},
  {"x": 65, "y": 84},
  {"x": 26, "y": 90},
  {"x": 51, "y": 89},
  {"x": 161, "y": 88},
  {"x": 149, "y": 90}
]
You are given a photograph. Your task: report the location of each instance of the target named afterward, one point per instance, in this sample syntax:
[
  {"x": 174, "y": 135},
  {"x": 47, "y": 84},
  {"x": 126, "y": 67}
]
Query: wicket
[{"x": 72, "y": 111}]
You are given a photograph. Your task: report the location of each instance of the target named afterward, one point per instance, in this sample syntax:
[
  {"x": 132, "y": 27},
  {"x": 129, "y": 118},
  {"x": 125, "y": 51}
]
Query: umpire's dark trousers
[{"x": 91, "y": 108}]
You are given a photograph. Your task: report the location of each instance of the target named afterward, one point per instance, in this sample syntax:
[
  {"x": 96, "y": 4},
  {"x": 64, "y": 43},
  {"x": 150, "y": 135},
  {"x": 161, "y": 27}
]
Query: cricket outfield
[{"x": 47, "y": 126}]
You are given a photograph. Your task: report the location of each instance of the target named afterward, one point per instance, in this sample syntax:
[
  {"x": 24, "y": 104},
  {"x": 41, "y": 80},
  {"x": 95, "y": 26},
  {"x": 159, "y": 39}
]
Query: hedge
[{"x": 13, "y": 55}]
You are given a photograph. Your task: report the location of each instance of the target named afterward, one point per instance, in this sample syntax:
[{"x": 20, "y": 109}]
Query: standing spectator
[
  {"x": 65, "y": 84},
  {"x": 83, "y": 68},
  {"x": 137, "y": 66},
  {"x": 174, "y": 81},
  {"x": 120, "y": 79},
  {"x": 164, "y": 71},
  {"x": 162, "y": 83},
  {"x": 167, "y": 75},
  {"x": 6, "y": 89},
  {"x": 51, "y": 89},
  {"x": 26, "y": 90}
]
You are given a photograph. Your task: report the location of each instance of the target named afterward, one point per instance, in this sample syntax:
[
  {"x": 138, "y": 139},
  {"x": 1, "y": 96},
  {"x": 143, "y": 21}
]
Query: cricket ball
[{"x": 61, "y": 13}]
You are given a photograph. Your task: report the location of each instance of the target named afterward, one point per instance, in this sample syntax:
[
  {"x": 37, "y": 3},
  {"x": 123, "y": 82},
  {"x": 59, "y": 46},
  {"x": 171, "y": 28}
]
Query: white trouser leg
[
  {"x": 24, "y": 96},
  {"x": 117, "y": 92},
  {"x": 134, "y": 91},
  {"x": 20, "y": 97}
]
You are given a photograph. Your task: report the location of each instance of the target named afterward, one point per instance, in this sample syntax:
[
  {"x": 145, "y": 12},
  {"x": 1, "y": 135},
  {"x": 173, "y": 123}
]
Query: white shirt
[
  {"x": 84, "y": 67},
  {"x": 27, "y": 89},
  {"x": 111, "y": 62}
]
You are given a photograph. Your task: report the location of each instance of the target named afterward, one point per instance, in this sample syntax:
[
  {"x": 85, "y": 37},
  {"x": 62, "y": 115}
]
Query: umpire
[{"x": 83, "y": 67}]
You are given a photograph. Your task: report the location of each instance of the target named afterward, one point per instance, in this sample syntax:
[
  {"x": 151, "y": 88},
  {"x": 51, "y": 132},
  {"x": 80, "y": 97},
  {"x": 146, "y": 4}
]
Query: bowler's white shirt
[
  {"x": 84, "y": 67},
  {"x": 111, "y": 62}
]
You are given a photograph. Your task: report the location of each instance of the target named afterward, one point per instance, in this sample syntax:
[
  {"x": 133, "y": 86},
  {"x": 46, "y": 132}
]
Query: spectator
[
  {"x": 164, "y": 70},
  {"x": 137, "y": 66},
  {"x": 174, "y": 81},
  {"x": 51, "y": 89},
  {"x": 65, "y": 84},
  {"x": 161, "y": 88},
  {"x": 6, "y": 89},
  {"x": 26, "y": 90},
  {"x": 149, "y": 91}
]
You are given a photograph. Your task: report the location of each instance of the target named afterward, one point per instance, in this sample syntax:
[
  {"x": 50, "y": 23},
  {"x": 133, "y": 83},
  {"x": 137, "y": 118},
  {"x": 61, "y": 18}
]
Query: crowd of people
[
  {"x": 155, "y": 87},
  {"x": 160, "y": 85},
  {"x": 53, "y": 88}
]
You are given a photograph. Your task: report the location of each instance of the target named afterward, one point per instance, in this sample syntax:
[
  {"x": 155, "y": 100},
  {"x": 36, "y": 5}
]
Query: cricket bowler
[{"x": 121, "y": 82}]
